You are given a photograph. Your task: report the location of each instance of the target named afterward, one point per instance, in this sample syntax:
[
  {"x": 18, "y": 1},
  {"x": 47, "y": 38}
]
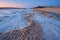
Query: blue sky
[{"x": 30, "y": 3}]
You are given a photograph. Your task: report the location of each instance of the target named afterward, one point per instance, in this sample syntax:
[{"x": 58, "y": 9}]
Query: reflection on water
[{"x": 15, "y": 18}]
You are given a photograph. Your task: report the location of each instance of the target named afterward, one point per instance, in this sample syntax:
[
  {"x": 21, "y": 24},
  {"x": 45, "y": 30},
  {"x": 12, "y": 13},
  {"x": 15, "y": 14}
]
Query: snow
[{"x": 50, "y": 26}]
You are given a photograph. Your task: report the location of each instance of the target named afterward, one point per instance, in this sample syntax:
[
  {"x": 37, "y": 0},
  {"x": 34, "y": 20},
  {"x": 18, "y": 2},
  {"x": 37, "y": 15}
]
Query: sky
[{"x": 28, "y": 3}]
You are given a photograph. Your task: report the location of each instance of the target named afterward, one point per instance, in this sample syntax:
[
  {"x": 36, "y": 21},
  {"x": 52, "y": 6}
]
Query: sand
[{"x": 54, "y": 10}]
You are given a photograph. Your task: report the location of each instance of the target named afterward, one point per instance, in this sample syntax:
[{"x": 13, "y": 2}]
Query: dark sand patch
[
  {"x": 0, "y": 36},
  {"x": 6, "y": 16},
  {"x": 1, "y": 20}
]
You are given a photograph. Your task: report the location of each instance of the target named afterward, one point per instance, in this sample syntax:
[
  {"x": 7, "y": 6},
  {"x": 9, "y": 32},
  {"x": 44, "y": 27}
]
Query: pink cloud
[{"x": 9, "y": 4}]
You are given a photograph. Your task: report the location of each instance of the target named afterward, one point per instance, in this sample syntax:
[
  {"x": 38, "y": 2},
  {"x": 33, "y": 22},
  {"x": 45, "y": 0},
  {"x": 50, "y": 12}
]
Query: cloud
[{"x": 9, "y": 4}]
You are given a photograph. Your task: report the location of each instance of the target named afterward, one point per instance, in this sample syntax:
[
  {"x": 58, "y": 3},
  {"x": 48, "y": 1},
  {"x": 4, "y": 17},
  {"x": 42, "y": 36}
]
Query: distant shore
[{"x": 52, "y": 9}]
